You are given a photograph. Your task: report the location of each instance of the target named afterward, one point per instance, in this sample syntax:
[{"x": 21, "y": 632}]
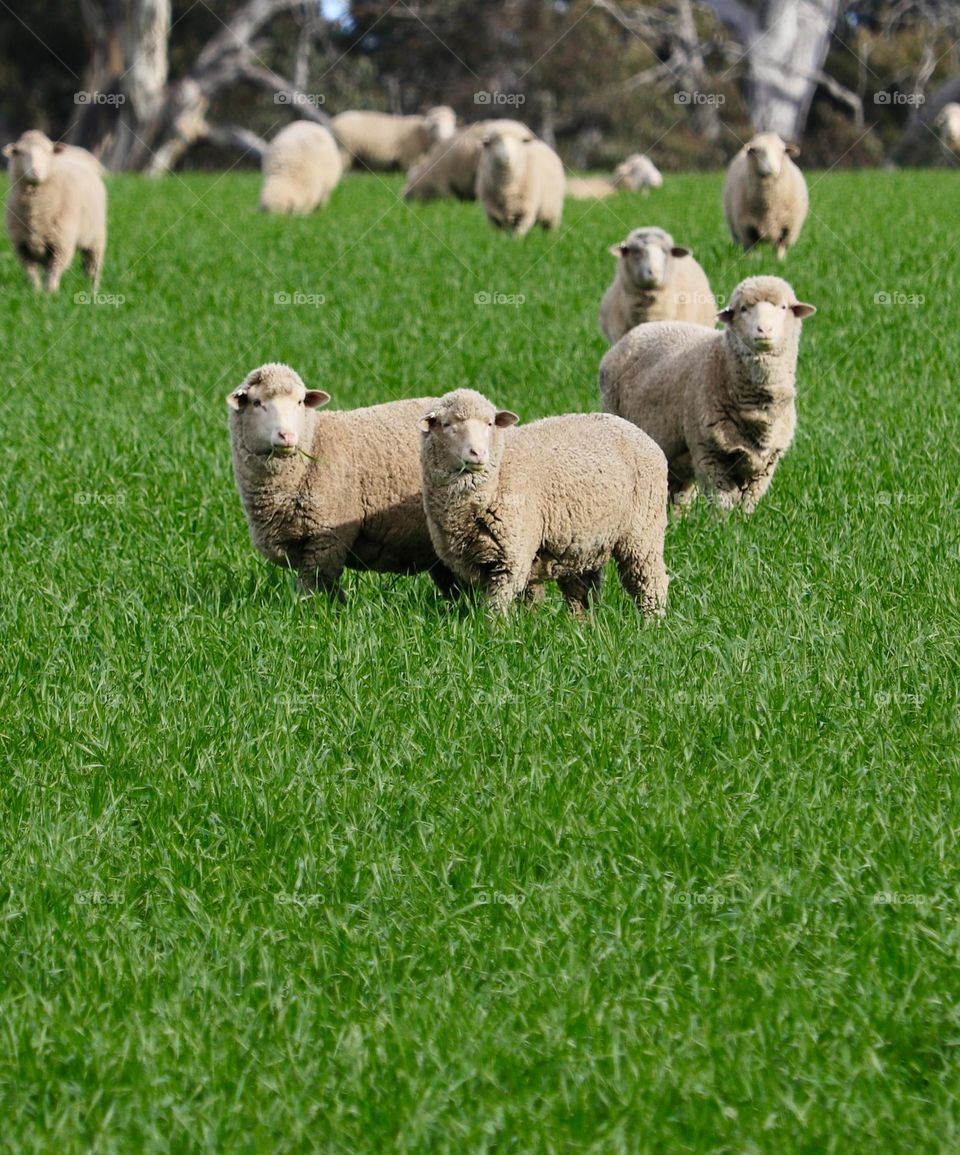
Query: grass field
[{"x": 279, "y": 876}]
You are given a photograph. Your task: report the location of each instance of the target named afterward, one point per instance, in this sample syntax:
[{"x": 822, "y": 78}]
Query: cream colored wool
[
  {"x": 324, "y": 492},
  {"x": 720, "y": 404},
  {"x": 765, "y": 195},
  {"x": 301, "y": 168},
  {"x": 509, "y": 509},
  {"x": 520, "y": 182},
  {"x": 450, "y": 168},
  {"x": 379, "y": 140}
]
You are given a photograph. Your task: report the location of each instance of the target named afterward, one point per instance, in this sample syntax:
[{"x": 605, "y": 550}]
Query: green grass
[{"x": 281, "y": 876}]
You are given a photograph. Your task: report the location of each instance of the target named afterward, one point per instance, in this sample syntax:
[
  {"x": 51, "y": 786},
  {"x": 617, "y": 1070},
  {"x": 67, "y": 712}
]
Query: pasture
[{"x": 284, "y": 876}]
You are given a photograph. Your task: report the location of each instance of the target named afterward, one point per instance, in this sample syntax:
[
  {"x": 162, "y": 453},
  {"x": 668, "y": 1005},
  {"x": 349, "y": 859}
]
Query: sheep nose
[
  {"x": 286, "y": 437},
  {"x": 477, "y": 455}
]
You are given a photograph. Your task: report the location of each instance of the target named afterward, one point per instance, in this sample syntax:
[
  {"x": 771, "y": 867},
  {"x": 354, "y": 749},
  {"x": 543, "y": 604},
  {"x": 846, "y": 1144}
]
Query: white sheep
[
  {"x": 720, "y": 404},
  {"x": 948, "y": 126},
  {"x": 550, "y": 501},
  {"x": 520, "y": 182},
  {"x": 324, "y": 492},
  {"x": 765, "y": 195},
  {"x": 57, "y": 204},
  {"x": 380, "y": 140},
  {"x": 301, "y": 168},
  {"x": 589, "y": 188},
  {"x": 449, "y": 169},
  {"x": 637, "y": 173},
  {"x": 655, "y": 280}
]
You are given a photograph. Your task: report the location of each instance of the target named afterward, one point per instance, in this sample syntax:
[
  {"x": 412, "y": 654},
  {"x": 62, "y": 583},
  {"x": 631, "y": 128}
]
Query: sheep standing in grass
[
  {"x": 655, "y": 280},
  {"x": 449, "y": 169},
  {"x": 948, "y": 126},
  {"x": 380, "y": 140},
  {"x": 520, "y": 182},
  {"x": 765, "y": 195},
  {"x": 57, "y": 204},
  {"x": 301, "y": 168},
  {"x": 550, "y": 501},
  {"x": 637, "y": 173},
  {"x": 324, "y": 492},
  {"x": 720, "y": 404}
]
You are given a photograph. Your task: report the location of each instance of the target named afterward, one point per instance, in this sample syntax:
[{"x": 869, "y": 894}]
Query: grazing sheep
[
  {"x": 948, "y": 125},
  {"x": 57, "y": 204},
  {"x": 520, "y": 182},
  {"x": 588, "y": 188},
  {"x": 382, "y": 141},
  {"x": 550, "y": 501},
  {"x": 329, "y": 491},
  {"x": 720, "y": 404},
  {"x": 655, "y": 280},
  {"x": 301, "y": 168},
  {"x": 765, "y": 194},
  {"x": 637, "y": 173},
  {"x": 449, "y": 169}
]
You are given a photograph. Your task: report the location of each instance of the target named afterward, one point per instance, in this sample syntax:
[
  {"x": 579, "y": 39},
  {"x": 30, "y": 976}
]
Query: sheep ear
[
  {"x": 59, "y": 146},
  {"x": 505, "y": 418},
  {"x": 800, "y": 310},
  {"x": 617, "y": 250},
  {"x": 680, "y": 251},
  {"x": 791, "y": 150},
  {"x": 237, "y": 399},
  {"x": 9, "y": 149},
  {"x": 725, "y": 315},
  {"x": 314, "y": 398},
  {"x": 428, "y": 421},
  {"x": 485, "y": 141}
]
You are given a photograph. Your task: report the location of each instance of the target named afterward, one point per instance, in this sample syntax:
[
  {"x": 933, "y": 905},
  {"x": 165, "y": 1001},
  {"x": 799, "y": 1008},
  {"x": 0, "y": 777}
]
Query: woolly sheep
[
  {"x": 655, "y": 280},
  {"x": 550, "y": 501},
  {"x": 301, "y": 168},
  {"x": 520, "y": 182},
  {"x": 56, "y": 204},
  {"x": 449, "y": 169},
  {"x": 765, "y": 194},
  {"x": 380, "y": 140},
  {"x": 637, "y": 173},
  {"x": 328, "y": 491},
  {"x": 720, "y": 404},
  {"x": 948, "y": 125},
  {"x": 589, "y": 188}
]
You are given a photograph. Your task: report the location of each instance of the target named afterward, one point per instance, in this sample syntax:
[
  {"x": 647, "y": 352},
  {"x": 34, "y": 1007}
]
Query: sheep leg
[
  {"x": 92, "y": 263},
  {"x": 320, "y": 568},
  {"x": 580, "y": 590},
  {"x": 524, "y": 223},
  {"x": 445, "y": 580},
  {"x": 31, "y": 266},
  {"x": 643, "y": 576},
  {"x": 535, "y": 594},
  {"x": 505, "y": 587},
  {"x": 757, "y": 487},
  {"x": 60, "y": 258}
]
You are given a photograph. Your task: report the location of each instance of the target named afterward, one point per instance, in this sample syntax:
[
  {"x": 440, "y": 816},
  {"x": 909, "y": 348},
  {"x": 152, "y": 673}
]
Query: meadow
[{"x": 284, "y": 876}]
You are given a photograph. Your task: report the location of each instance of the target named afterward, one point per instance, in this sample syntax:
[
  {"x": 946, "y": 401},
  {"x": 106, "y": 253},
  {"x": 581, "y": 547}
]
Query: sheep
[
  {"x": 380, "y": 140},
  {"x": 56, "y": 204},
  {"x": 449, "y": 169},
  {"x": 637, "y": 173},
  {"x": 520, "y": 182},
  {"x": 719, "y": 403},
  {"x": 551, "y": 501},
  {"x": 948, "y": 125},
  {"x": 301, "y": 168},
  {"x": 765, "y": 195},
  {"x": 328, "y": 491},
  {"x": 655, "y": 280}
]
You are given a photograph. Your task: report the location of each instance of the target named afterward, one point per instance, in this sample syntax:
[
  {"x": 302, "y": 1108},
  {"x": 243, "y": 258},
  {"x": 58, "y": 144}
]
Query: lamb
[
  {"x": 720, "y": 404},
  {"x": 765, "y": 195},
  {"x": 57, "y": 204},
  {"x": 551, "y": 501},
  {"x": 948, "y": 125},
  {"x": 655, "y": 280},
  {"x": 520, "y": 182},
  {"x": 449, "y": 169},
  {"x": 325, "y": 492},
  {"x": 301, "y": 168},
  {"x": 380, "y": 140},
  {"x": 637, "y": 173}
]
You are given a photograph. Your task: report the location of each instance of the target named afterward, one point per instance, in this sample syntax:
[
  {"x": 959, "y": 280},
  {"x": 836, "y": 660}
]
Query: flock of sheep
[{"x": 452, "y": 485}]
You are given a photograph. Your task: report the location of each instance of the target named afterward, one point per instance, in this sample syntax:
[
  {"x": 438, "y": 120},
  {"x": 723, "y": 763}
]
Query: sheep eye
[
  {"x": 258, "y": 404},
  {"x": 300, "y": 402}
]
